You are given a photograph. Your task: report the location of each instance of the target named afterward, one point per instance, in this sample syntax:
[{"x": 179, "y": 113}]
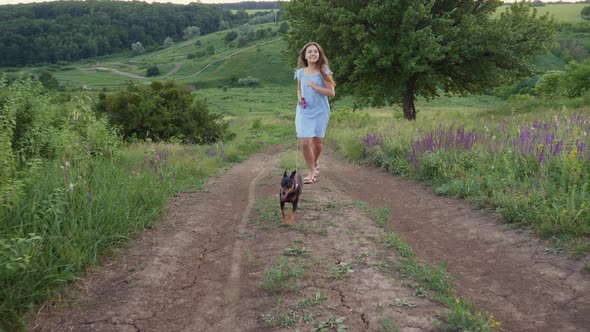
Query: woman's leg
[
  {"x": 317, "y": 147},
  {"x": 306, "y": 145}
]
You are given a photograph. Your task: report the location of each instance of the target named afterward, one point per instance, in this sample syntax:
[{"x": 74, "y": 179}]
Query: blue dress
[{"x": 312, "y": 121}]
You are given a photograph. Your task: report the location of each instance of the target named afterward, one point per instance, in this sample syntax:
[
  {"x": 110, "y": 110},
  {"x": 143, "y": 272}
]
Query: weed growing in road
[
  {"x": 249, "y": 257},
  {"x": 403, "y": 303},
  {"x": 393, "y": 241},
  {"x": 268, "y": 213},
  {"x": 379, "y": 215},
  {"x": 296, "y": 251},
  {"x": 341, "y": 271},
  {"x": 462, "y": 316},
  {"x": 280, "y": 320},
  {"x": 332, "y": 324},
  {"x": 311, "y": 301},
  {"x": 387, "y": 325},
  {"x": 281, "y": 276}
]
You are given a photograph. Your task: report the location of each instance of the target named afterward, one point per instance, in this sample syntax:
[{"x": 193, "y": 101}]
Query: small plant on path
[{"x": 332, "y": 324}]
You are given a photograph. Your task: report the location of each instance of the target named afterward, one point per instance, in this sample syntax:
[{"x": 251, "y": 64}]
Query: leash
[{"x": 297, "y": 155}]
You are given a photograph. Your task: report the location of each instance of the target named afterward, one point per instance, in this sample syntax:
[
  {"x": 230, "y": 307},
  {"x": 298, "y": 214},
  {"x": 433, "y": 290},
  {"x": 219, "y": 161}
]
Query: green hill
[
  {"x": 203, "y": 62},
  {"x": 569, "y": 13}
]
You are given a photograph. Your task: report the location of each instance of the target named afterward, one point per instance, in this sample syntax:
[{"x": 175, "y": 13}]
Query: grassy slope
[
  {"x": 264, "y": 61},
  {"x": 260, "y": 59},
  {"x": 569, "y": 13}
]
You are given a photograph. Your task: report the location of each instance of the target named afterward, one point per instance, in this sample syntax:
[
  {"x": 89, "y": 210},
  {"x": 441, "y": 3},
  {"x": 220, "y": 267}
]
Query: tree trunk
[{"x": 408, "y": 99}]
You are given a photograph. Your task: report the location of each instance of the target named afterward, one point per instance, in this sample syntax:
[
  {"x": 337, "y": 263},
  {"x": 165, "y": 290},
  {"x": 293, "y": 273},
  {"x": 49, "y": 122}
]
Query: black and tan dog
[{"x": 291, "y": 188}]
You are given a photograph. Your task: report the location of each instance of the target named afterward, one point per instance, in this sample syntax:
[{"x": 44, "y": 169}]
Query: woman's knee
[
  {"x": 305, "y": 143},
  {"x": 318, "y": 142}
]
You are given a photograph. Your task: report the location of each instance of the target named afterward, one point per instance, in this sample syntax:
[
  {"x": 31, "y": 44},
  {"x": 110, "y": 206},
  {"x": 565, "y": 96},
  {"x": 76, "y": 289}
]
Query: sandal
[{"x": 308, "y": 180}]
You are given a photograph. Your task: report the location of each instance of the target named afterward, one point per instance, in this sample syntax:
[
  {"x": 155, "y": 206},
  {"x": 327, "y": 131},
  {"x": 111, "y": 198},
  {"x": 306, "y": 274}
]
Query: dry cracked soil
[{"x": 220, "y": 260}]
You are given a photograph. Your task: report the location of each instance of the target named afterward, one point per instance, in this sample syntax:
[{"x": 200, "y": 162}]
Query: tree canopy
[
  {"x": 55, "y": 31},
  {"x": 389, "y": 52}
]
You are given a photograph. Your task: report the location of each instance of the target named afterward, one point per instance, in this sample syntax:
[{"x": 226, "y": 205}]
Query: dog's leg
[
  {"x": 283, "y": 212},
  {"x": 292, "y": 216}
]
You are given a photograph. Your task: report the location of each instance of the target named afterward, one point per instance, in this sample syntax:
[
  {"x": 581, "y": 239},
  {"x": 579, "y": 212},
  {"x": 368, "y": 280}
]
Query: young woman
[{"x": 314, "y": 85}]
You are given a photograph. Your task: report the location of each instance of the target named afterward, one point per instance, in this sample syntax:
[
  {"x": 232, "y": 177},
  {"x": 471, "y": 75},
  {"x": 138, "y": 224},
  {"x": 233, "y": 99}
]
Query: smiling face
[{"x": 312, "y": 54}]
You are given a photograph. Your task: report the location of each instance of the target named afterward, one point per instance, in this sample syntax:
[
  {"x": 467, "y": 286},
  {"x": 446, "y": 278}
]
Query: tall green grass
[
  {"x": 78, "y": 206},
  {"x": 531, "y": 168}
]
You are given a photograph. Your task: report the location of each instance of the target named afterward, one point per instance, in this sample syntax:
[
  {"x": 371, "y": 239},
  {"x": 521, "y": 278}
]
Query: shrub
[
  {"x": 248, "y": 81},
  {"x": 168, "y": 42},
  {"x": 137, "y": 48},
  {"x": 191, "y": 32},
  {"x": 284, "y": 27},
  {"x": 230, "y": 36},
  {"x": 163, "y": 111},
  {"x": 573, "y": 82},
  {"x": 48, "y": 80},
  {"x": 153, "y": 71},
  {"x": 246, "y": 33}
]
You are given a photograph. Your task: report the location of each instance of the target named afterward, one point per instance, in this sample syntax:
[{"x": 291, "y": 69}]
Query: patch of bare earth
[{"x": 205, "y": 265}]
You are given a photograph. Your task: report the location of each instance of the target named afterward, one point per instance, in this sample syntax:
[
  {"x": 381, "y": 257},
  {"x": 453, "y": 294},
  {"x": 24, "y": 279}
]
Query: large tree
[{"x": 388, "y": 52}]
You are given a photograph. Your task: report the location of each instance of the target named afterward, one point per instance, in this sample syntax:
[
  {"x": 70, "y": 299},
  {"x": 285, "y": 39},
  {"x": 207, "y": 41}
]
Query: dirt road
[{"x": 209, "y": 263}]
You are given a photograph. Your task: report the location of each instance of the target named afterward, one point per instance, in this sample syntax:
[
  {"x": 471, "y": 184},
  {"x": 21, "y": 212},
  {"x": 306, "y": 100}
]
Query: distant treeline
[
  {"x": 72, "y": 30},
  {"x": 252, "y": 5}
]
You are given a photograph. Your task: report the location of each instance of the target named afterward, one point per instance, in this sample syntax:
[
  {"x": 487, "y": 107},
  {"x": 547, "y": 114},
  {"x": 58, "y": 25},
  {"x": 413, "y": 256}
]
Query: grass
[
  {"x": 268, "y": 213},
  {"x": 261, "y": 59},
  {"x": 341, "y": 270},
  {"x": 379, "y": 215},
  {"x": 282, "y": 276},
  {"x": 79, "y": 208},
  {"x": 497, "y": 161},
  {"x": 569, "y": 13},
  {"x": 296, "y": 251},
  {"x": 462, "y": 316},
  {"x": 311, "y": 301},
  {"x": 108, "y": 202}
]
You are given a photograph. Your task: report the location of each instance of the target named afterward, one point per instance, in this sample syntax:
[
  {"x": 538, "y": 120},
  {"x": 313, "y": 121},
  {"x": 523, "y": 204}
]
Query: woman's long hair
[{"x": 322, "y": 62}]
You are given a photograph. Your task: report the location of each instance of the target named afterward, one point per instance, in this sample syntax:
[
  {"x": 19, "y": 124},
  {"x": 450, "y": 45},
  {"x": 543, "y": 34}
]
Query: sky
[{"x": 10, "y": 2}]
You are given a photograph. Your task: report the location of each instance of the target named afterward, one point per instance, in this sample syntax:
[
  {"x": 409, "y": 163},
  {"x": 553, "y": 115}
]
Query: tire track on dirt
[
  {"x": 233, "y": 283},
  {"x": 177, "y": 66}
]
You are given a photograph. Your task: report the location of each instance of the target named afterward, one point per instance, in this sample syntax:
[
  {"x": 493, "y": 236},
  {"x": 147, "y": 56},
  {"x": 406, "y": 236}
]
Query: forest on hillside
[
  {"x": 72, "y": 30},
  {"x": 251, "y": 5}
]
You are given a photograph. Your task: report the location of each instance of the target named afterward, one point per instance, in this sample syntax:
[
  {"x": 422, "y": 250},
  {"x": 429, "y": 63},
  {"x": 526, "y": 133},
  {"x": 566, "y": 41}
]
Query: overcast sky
[{"x": 7, "y": 2}]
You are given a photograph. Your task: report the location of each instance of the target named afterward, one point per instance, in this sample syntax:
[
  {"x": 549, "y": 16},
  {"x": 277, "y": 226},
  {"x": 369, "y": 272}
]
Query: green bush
[
  {"x": 162, "y": 111},
  {"x": 574, "y": 81},
  {"x": 153, "y": 71},
  {"x": 248, "y": 81},
  {"x": 230, "y": 36}
]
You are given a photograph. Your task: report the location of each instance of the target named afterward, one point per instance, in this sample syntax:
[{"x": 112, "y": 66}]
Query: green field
[
  {"x": 569, "y": 13},
  {"x": 253, "y": 11}
]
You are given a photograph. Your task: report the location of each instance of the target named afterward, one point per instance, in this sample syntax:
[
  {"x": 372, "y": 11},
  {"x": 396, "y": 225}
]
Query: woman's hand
[
  {"x": 327, "y": 91},
  {"x": 313, "y": 85}
]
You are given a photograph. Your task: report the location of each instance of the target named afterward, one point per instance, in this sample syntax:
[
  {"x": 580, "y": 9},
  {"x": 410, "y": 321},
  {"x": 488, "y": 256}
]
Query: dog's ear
[
  {"x": 285, "y": 175},
  {"x": 293, "y": 174}
]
